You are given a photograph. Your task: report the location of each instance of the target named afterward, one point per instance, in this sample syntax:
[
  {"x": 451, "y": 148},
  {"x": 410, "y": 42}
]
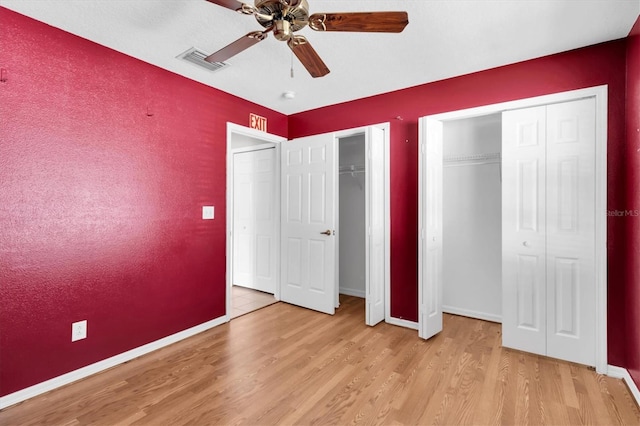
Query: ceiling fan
[{"x": 285, "y": 17}]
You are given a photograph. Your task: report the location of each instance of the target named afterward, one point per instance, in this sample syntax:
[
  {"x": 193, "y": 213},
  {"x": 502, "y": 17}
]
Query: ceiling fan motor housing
[{"x": 284, "y": 19}]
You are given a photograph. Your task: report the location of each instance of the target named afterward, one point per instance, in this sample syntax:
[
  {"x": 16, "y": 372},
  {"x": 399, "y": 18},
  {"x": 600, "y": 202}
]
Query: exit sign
[{"x": 257, "y": 122}]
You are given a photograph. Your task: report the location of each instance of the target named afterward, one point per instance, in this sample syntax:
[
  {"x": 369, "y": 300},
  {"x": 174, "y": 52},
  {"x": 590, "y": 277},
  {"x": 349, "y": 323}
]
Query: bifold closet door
[
  {"x": 571, "y": 231},
  {"x": 524, "y": 230},
  {"x": 549, "y": 230}
]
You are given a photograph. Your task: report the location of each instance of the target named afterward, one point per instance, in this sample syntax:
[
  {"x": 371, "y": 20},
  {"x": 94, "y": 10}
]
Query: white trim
[
  {"x": 260, "y": 147},
  {"x": 81, "y": 373},
  {"x": 601, "y": 96},
  {"x": 268, "y": 138},
  {"x": 353, "y": 292},
  {"x": 402, "y": 323},
  {"x": 600, "y": 93},
  {"x": 471, "y": 314},
  {"x": 623, "y": 373}
]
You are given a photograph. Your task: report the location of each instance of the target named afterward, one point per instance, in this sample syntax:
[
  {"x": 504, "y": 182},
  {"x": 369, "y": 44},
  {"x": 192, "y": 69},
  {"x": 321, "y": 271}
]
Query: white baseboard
[
  {"x": 401, "y": 323},
  {"x": 352, "y": 292},
  {"x": 622, "y": 373},
  {"x": 81, "y": 373},
  {"x": 472, "y": 314}
]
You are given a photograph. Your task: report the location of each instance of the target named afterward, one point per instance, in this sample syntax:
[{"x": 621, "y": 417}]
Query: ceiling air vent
[{"x": 196, "y": 57}]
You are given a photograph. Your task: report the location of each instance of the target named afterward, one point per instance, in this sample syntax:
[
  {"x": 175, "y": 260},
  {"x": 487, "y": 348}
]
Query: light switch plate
[{"x": 208, "y": 212}]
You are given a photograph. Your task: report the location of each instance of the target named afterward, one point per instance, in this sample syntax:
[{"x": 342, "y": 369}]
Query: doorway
[
  {"x": 252, "y": 219},
  {"x": 307, "y": 269},
  {"x": 363, "y": 219},
  {"x": 432, "y": 245}
]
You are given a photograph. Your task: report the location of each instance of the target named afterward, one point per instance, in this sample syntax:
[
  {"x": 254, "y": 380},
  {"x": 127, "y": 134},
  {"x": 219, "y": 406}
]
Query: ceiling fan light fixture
[{"x": 282, "y": 30}]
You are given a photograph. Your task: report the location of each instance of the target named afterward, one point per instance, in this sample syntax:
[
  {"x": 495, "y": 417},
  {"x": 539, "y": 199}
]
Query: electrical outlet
[{"x": 79, "y": 330}]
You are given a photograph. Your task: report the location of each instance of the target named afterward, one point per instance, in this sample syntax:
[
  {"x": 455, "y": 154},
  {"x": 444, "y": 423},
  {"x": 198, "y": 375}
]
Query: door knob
[
  {"x": 327, "y": 232},
  {"x": 526, "y": 244}
]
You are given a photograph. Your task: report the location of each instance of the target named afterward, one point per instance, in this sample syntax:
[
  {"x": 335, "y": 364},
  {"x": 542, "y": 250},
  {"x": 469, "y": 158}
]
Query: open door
[
  {"x": 308, "y": 211},
  {"x": 430, "y": 228},
  {"x": 375, "y": 226}
]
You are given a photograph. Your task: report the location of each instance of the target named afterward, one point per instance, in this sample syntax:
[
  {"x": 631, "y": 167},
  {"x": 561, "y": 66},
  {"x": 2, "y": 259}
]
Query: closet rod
[
  {"x": 492, "y": 157},
  {"x": 351, "y": 169}
]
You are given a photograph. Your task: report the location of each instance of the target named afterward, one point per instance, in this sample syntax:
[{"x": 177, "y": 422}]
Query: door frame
[
  {"x": 236, "y": 129},
  {"x": 269, "y": 140},
  {"x": 386, "y": 128},
  {"x": 600, "y": 93}
]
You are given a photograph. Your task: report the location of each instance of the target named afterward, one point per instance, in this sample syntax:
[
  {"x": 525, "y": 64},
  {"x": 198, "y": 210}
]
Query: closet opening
[
  {"x": 351, "y": 216},
  {"x": 542, "y": 273},
  {"x": 472, "y": 224}
]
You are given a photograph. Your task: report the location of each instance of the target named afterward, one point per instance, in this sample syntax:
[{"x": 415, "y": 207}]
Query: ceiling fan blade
[
  {"x": 308, "y": 56},
  {"x": 237, "y": 46},
  {"x": 229, "y": 4},
  {"x": 379, "y": 22}
]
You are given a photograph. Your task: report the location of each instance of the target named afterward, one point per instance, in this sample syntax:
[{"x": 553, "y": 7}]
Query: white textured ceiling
[{"x": 444, "y": 38}]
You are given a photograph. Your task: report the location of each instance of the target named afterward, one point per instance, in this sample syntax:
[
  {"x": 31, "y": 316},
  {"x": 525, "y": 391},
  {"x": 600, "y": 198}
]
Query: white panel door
[
  {"x": 571, "y": 231},
  {"x": 430, "y": 226},
  {"x": 524, "y": 230},
  {"x": 254, "y": 221},
  {"x": 308, "y": 211},
  {"x": 375, "y": 226},
  {"x": 243, "y": 223}
]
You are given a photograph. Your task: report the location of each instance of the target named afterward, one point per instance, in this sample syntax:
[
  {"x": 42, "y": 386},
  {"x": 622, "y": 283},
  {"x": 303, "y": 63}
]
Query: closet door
[
  {"x": 549, "y": 230},
  {"x": 375, "y": 245},
  {"x": 571, "y": 231},
  {"x": 430, "y": 226},
  {"x": 524, "y": 230}
]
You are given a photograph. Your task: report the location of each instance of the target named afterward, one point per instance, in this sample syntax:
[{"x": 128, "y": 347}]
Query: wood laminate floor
[{"x": 287, "y": 365}]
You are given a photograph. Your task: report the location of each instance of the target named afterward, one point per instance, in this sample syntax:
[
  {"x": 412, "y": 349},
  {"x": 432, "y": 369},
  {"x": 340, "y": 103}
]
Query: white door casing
[
  {"x": 308, "y": 219},
  {"x": 430, "y": 224},
  {"x": 375, "y": 257},
  {"x": 524, "y": 229}
]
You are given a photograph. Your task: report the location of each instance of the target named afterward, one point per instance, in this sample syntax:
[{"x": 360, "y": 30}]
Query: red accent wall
[
  {"x": 592, "y": 66},
  {"x": 105, "y": 164},
  {"x": 632, "y": 153}
]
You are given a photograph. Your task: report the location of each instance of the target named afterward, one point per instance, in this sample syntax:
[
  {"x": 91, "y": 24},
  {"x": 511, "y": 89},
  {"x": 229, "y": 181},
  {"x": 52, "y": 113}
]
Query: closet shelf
[
  {"x": 475, "y": 158},
  {"x": 351, "y": 169}
]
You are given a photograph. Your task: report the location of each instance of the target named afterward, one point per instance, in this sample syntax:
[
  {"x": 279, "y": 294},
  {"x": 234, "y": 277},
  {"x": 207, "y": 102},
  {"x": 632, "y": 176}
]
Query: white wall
[
  {"x": 352, "y": 217},
  {"x": 472, "y": 250}
]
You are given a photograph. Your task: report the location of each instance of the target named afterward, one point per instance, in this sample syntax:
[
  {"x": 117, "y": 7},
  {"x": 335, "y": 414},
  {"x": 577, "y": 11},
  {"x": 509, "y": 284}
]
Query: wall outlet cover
[
  {"x": 79, "y": 330},
  {"x": 208, "y": 212}
]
